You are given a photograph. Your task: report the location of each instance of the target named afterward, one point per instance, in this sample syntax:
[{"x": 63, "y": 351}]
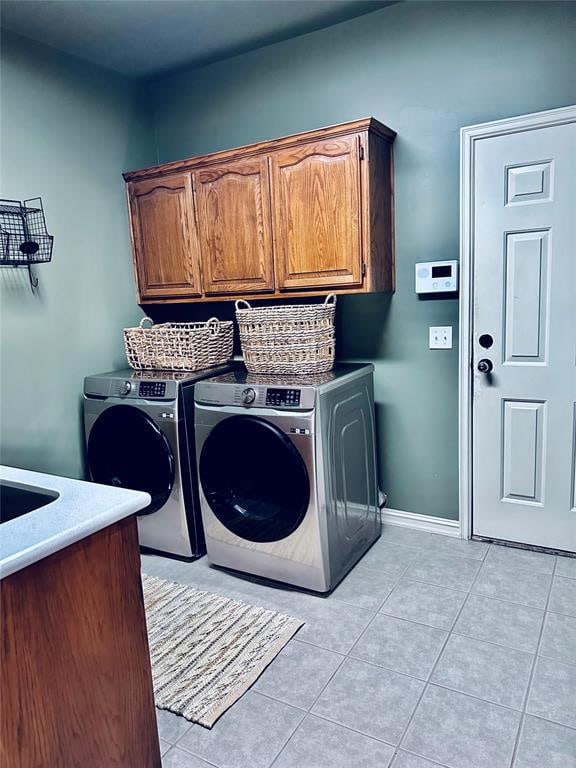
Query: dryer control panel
[
  {"x": 250, "y": 393},
  {"x": 152, "y": 389},
  {"x": 287, "y": 398}
]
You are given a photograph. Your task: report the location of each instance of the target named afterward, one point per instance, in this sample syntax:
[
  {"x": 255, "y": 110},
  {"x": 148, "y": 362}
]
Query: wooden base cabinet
[
  {"x": 75, "y": 677},
  {"x": 297, "y": 216}
]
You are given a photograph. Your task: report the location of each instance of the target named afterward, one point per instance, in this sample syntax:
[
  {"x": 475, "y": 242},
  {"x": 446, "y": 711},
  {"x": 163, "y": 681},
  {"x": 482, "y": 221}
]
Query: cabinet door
[
  {"x": 233, "y": 202},
  {"x": 317, "y": 214},
  {"x": 164, "y": 239}
]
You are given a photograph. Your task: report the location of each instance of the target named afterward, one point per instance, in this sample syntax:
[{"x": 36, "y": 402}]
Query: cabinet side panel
[
  {"x": 380, "y": 199},
  {"x": 132, "y": 223},
  {"x": 74, "y": 661}
]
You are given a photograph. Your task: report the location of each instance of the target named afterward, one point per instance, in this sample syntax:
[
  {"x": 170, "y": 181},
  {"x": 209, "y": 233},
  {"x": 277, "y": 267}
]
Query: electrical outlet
[{"x": 440, "y": 337}]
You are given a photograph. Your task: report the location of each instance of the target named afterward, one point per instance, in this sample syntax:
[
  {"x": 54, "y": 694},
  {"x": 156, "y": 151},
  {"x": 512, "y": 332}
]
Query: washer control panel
[
  {"x": 283, "y": 398},
  {"x": 152, "y": 389}
]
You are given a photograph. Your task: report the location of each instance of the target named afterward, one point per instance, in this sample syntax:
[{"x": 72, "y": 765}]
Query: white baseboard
[{"x": 421, "y": 522}]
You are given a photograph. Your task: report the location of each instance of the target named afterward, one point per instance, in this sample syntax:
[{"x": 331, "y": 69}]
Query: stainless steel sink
[{"x": 17, "y": 500}]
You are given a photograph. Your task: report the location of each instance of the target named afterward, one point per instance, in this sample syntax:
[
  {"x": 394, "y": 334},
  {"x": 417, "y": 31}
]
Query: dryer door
[
  {"x": 127, "y": 449},
  {"x": 254, "y": 479}
]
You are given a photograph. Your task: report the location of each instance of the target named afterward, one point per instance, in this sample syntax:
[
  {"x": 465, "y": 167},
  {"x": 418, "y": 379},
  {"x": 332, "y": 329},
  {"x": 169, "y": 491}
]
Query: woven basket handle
[
  {"x": 144, "y": 319},
  {"x": 242, "y": 301},
  {"x": 213, "y": 326},
  {"x": 330, "y": 296}
]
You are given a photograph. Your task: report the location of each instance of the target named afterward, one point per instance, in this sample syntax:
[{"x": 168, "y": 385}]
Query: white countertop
[{"x": 81, "y": 509}]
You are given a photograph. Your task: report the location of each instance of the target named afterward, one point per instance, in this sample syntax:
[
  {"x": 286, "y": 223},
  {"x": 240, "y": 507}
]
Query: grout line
[
  {"x": 558, "y": 659},
  {"x": 559, "y": 613},
  {"x": 373, "y": 619},
  {"x": 382, "y": 569},
  {"x": 503, "y": 600},
  {"x": 532, "y": 671},
  {"x": 427, "y": 683},
  {"x": 522, "y": 568},
  {"x": 187, "y": 752},
  {"x": 277, "y": 700},
  {"x": 475, "y": 696},
  {"x": 315, "y": 645},
  {"x": 349, "y": 728},
  {"x": 493, "y": 642},
  {"x": 343, "y": 660},
  {"x": 547, "y": 720},
  {"x": 430, "y": 584},
  {"x": 430, "y": 760},
  {"x": 308, "y": 711}
]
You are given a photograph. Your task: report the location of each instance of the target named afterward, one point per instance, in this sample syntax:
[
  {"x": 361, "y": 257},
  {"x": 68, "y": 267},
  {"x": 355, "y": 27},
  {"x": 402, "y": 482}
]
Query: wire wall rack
[{"x": 24, "y": 239}]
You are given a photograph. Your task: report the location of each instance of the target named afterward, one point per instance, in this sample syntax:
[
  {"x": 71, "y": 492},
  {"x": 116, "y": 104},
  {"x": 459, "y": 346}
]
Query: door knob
[{"x": 485, "y": 365}]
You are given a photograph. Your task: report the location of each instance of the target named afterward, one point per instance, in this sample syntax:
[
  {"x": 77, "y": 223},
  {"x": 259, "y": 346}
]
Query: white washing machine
[
  {"x": 287, "y": 473},
  {"x": 139, "y": 428}
]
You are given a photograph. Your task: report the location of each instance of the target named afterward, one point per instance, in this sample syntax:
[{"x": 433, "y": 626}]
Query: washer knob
[
  {"x": 248, "y": 396},
  {"x": 127, "y": 387}
]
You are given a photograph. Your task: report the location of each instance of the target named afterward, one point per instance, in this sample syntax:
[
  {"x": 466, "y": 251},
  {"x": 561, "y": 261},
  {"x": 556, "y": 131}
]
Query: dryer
[
  {"x": 287, "y": 473},
  {"x": 139, "y": 429}
]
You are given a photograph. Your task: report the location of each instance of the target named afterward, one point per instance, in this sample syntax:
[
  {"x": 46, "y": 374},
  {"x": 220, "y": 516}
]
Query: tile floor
[{"x": 432, "y": 652}]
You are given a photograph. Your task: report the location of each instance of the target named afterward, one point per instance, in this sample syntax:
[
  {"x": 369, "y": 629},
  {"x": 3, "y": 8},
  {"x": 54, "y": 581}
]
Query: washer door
[
  {"x": 254, "y": 479},
  {"x": 128, "y": 450}
]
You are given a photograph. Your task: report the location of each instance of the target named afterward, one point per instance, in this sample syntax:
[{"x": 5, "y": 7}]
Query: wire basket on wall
[{"x": 24, "y": 239}]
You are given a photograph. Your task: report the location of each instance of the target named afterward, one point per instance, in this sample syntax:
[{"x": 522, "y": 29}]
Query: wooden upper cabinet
[
  {"x": 233, "y": 212},
  {"x": 164, "y": 238},
  {"x": 317, "y": 214},
  {"x": 300, "y": 216}
]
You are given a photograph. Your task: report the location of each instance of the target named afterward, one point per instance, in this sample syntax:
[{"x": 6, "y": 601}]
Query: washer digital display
[
  {"x": 152, "y": 389},
  {"x": 283, "y": 397}
]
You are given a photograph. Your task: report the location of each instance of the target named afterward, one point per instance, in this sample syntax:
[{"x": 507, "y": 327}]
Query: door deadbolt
[
  {"x": 485, "y": 365},
  {"x": 486, "y": 341}
]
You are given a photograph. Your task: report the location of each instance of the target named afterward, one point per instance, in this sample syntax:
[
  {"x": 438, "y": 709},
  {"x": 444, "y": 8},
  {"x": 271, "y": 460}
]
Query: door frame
[{"x": 468, "y": 137}]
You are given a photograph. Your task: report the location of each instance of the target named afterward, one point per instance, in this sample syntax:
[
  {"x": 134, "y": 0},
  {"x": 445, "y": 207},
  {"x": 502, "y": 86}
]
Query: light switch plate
[{"x": 440, "y": 337}]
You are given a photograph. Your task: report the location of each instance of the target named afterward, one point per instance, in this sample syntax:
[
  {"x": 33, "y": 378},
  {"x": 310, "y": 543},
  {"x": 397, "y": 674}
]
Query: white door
[{"x": 524, "y": 325}]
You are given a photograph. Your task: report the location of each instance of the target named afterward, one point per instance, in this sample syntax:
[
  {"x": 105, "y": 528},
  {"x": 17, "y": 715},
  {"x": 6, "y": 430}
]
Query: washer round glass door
[
  {"x": 128, "y": 450},
  {"x": 254, "y": 479}
]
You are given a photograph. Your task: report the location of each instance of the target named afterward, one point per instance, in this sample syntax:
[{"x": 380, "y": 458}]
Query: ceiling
[{"x": 144, "y": 38}]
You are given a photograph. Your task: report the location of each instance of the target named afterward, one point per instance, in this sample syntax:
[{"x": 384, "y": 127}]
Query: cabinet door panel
[
  {"x": 234, "y": 224},
  {"x": 164, "y": 237},
  {"x": 317, "y": 214}
]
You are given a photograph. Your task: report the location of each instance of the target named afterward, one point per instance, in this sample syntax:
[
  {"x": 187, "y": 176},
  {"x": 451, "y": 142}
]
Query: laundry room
[{"x": 287, "y": 413}]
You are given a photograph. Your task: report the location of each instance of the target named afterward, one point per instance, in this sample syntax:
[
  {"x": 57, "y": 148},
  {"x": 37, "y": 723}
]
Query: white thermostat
[{"x": 436, "y": 276}]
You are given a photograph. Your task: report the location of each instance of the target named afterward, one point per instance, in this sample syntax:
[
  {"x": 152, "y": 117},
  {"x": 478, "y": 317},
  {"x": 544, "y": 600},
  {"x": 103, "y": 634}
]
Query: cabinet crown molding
[{"x": 263, "y": 147}]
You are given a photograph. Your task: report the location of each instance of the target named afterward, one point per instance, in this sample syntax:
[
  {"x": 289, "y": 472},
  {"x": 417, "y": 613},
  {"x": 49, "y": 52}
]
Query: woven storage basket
[
  {"x": 179, "y": 346},
  {"x": 288, "y": 339}
]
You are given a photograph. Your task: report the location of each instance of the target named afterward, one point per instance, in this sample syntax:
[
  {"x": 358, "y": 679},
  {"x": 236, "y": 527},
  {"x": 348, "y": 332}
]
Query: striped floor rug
[{"x": 207, "y": 650}]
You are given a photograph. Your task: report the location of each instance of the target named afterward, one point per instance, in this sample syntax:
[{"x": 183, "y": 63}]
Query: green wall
[
  {"x": 425, "y": 69},
  {"x": 68, "y": 130}
]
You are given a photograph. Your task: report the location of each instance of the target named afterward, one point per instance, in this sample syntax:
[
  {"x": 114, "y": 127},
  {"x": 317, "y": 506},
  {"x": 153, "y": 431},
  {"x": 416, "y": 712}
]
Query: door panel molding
[
  {"x": 526, "y": 267},
  {"x": 529, "y": 183},
  {"x": 522, "y": 441},
  {"x": 469, "y": 138}
]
